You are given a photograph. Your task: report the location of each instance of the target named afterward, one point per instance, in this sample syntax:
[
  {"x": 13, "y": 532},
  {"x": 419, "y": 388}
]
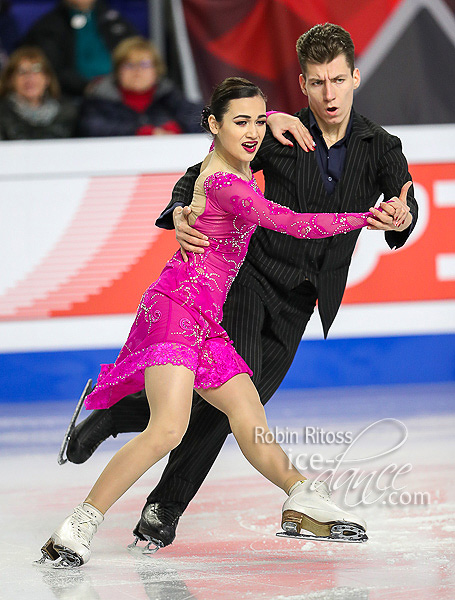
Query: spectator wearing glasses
[
  {"x": 137, "y": 99},
  {"x": 30, "y": 104}
]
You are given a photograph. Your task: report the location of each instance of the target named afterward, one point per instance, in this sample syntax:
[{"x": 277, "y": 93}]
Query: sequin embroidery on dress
[{"x": 179, "y": 315}]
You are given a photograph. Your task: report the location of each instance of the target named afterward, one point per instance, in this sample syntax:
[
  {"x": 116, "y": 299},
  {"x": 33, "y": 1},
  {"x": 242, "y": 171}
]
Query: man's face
[{"x": 330, "y": 90}]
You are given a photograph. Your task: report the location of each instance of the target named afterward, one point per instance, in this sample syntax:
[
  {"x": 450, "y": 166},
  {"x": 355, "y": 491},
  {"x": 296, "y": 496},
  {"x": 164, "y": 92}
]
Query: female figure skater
[{"x": 176, "y": 342}]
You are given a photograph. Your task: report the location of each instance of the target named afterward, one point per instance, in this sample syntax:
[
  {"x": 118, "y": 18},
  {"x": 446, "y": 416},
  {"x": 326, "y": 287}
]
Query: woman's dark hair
[{"x": 231, "y": 88}]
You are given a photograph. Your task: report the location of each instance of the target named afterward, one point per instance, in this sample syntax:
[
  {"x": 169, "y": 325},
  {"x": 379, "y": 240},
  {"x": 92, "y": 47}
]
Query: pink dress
[{"x": 178, "y": 318}]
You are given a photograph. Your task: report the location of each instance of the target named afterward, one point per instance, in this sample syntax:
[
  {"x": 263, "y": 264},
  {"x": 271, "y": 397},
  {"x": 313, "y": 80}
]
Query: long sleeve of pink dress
[{"x": 178, "y": 318}]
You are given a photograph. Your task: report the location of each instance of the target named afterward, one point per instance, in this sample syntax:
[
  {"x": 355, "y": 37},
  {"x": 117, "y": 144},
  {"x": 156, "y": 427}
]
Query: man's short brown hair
[{"x": 323, "y": 43}]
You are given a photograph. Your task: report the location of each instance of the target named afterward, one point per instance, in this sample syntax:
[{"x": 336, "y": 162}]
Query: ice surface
[{"x": 226, "y": 546}]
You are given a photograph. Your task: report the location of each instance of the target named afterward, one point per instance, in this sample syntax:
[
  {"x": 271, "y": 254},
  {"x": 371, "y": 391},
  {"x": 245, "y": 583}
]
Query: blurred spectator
[
  {"x": 137, "y": 99},
  {"x": 78, "y": 37},
  {"x": 30, "y": 105}
]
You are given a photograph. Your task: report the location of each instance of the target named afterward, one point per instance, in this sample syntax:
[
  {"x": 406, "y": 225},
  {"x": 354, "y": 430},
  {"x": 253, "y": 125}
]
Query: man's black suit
[{"x": 274, "y": 294}]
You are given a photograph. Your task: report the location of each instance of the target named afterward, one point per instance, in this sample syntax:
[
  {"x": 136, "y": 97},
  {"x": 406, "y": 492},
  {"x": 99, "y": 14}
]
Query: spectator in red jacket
[{"x": 137, "y": 99}]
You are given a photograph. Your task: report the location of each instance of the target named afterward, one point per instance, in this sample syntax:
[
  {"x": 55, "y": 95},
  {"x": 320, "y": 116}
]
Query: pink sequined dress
[{"x": 178, "y": 318}]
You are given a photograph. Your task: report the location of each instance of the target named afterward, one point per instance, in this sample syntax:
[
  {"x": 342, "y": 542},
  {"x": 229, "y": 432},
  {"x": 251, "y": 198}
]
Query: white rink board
[{"x": 40, "y": 183}]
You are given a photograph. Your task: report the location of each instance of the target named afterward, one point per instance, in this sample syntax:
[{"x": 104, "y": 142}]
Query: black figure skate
[
  {"x": 157, "y": 526},
  {"x": 61, "y": 459}
]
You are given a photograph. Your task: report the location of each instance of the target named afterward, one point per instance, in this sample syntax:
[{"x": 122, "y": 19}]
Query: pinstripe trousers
[{"x": 268, "y": 343}]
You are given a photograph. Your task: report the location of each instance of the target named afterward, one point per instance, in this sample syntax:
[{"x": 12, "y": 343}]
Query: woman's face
[
  {"x": 138, "y": 72},
  {"x": 29, "y": 81},
  {"x": 242, "y": 129}
]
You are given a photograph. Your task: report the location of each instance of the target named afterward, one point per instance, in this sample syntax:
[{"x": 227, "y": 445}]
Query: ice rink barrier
[{"x": 79, "y": 246}]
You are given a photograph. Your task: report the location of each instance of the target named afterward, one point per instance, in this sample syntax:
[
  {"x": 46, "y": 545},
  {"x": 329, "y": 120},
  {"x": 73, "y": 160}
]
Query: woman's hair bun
[{"x": 206, "y": 112}]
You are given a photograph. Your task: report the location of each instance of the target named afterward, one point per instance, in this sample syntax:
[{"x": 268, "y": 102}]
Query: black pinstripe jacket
[{"x": 276, "y": 264}]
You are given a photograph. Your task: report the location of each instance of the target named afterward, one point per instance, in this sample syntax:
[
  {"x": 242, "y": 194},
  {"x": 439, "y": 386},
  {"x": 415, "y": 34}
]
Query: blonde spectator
[
  {"x": 30, "y": 103},
  {"x": 137, "y": 99}
]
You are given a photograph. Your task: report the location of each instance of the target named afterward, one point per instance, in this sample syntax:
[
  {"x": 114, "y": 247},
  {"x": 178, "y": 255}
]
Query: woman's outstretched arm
[{"x": 235, "y": 196}]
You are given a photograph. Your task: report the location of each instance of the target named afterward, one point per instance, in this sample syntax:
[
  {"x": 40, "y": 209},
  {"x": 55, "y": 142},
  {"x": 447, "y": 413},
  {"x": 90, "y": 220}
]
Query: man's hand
[
  {"x": 190, "y": 239},
  {"x": 279, "y": 123},
  {"x": 395, "y": 215}
]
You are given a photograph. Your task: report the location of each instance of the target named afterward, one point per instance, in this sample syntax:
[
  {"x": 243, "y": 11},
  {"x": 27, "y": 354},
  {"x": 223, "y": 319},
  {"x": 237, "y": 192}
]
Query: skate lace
[
  {"x": 166, "y": 514},
  {"x": 322, "y": 489},
  {"x": 82, "y": 526}
]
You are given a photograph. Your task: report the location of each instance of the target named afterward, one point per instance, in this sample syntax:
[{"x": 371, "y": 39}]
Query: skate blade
[
  {"x": 293, "y": 522},
  {"x": 147, "y": 549},
  {"x": 58, "y": 557},
  {"x": 87, "y": 390},
  {"x": 48, "y": 553},
  {"x": 61, "y": 563},
  {"x": 320, "y": 538},
  {"x": 68, "y": 559},
  {"x": 339, "y": 532}
]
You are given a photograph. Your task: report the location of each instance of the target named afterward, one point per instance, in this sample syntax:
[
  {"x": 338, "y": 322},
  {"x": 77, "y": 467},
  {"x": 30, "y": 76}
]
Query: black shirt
[{"x": 330, "y": 160}]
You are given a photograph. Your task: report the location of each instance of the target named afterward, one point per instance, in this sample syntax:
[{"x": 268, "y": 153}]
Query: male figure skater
[{"x": 274, "y": 295}]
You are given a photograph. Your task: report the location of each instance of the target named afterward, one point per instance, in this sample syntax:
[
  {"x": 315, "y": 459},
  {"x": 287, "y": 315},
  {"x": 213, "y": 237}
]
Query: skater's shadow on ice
[
  {"x": 70, "y": 584},
  {"x": 160, "y": 583}
]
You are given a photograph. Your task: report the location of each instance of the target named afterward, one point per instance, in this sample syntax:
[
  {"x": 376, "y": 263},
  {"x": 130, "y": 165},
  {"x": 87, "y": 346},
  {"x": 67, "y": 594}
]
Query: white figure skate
[
  {"x": 69, "y": 545},
  {"x": 310, "y": 508}
]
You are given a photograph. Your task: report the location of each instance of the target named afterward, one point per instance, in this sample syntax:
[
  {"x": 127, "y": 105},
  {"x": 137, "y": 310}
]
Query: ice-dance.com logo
[{"x": 358, "y": 469}]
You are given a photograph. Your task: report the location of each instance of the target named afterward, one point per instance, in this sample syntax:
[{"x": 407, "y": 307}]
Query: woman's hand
[
  {"x": 395, "y": 214},
  {"x": 279, "y": 123},
  {"x": 190, "y": 240}
]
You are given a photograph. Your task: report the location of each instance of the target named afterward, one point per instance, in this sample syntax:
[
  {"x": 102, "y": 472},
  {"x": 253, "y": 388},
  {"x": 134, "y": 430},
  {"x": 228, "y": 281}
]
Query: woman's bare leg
[
  {"x": 239, "y": 400},
  {"x": 169, "y": 391}
]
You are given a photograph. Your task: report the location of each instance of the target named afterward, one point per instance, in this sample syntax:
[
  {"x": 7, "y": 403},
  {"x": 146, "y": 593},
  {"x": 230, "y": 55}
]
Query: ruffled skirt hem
[{"x": 214, "y": 365}]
